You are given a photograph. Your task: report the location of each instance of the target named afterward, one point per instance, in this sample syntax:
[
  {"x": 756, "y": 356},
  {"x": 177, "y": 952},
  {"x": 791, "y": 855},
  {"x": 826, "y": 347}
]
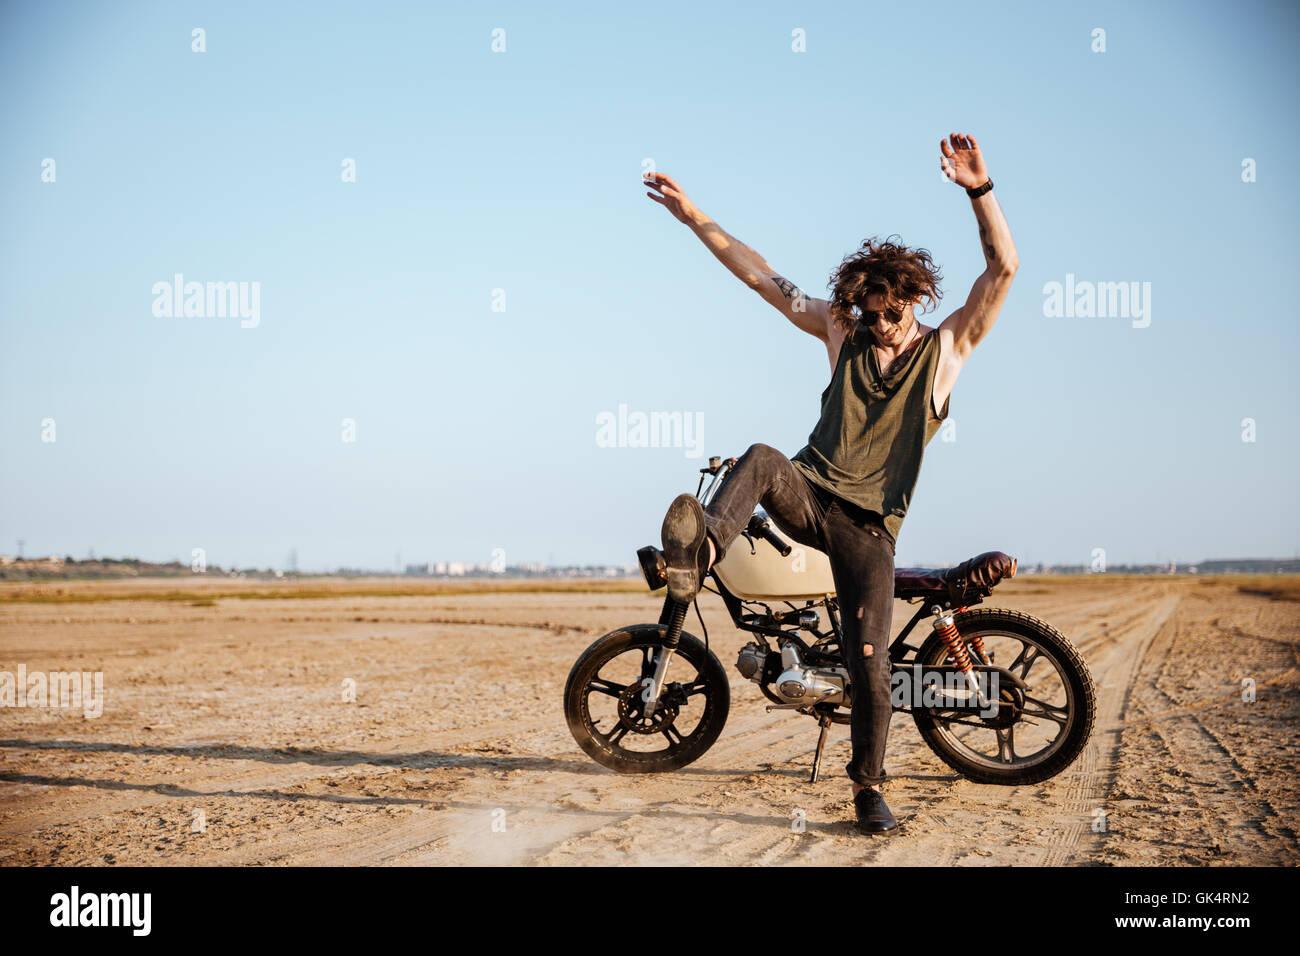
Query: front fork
[{"x": 674, "y": 615}]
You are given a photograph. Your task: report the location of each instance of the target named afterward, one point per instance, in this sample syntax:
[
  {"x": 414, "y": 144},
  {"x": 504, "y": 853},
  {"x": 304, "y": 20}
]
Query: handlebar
[
  {"x": 760, "y": 527},
  {"x": 716, "y": 463}
]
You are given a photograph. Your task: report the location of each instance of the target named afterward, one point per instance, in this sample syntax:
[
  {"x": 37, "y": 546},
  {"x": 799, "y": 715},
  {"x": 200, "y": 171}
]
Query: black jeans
[{"x": 861, "y": 555}]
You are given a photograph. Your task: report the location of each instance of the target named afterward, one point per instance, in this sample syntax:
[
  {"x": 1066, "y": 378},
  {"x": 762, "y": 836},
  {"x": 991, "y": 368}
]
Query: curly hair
[{"x": 899, "y": 274}]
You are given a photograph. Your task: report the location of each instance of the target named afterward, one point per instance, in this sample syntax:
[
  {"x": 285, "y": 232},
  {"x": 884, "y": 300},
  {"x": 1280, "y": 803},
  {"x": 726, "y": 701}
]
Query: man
[{"x": 847, "y": 491}]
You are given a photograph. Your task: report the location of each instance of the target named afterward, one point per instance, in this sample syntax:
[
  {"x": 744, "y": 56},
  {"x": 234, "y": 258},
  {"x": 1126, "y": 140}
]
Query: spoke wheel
[
  {"x": 607, "y": 716},
  {"x": 1038, "y": 731}
]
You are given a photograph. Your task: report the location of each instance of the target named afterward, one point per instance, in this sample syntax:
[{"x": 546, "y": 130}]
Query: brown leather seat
[{"x": 975, "y": 576}]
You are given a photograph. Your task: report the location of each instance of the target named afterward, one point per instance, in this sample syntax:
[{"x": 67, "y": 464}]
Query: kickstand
[{"x": 825, "y": 723}]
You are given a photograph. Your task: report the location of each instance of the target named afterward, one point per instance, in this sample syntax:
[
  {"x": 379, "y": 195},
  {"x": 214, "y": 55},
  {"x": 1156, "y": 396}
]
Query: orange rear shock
[{"x": 958, "y": 655}]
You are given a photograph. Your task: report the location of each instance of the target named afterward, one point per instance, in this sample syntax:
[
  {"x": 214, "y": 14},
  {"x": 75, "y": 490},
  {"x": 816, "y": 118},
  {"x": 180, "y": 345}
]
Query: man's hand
[
  {"x": 962, "y": 162},
  {"x": 668, "y": 193}
]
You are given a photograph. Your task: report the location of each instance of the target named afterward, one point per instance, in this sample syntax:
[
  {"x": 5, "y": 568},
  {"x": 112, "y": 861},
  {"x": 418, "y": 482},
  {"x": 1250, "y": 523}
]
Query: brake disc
[{"x": 631, "y": 711}]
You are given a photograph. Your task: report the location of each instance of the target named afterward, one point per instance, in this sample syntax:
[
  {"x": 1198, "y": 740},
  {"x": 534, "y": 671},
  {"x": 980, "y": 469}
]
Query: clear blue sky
[{"x": 521, "y": 171}]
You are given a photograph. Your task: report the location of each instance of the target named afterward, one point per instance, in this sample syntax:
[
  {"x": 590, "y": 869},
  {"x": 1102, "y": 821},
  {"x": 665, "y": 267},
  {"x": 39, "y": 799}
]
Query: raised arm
[
  {"x": 963, "y": 163},
  {"x": 809, "y": 314}
]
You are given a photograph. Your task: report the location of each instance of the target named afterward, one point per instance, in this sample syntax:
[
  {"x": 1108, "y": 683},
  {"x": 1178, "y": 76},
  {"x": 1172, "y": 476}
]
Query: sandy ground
[{"x": 225, "y": 739}]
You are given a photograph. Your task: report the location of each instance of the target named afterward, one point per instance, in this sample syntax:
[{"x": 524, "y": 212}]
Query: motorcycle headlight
[{"x": 653, "y": 567}]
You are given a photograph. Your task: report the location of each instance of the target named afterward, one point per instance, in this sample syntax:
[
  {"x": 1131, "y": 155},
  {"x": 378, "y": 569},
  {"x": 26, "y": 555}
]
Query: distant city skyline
[
  {"x": 425, "y": 308},
  {"x": 1260, "y": 565}
]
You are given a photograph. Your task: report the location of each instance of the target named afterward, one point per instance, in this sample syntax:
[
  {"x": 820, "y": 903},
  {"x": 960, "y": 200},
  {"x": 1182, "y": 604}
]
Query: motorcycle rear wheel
[
  {"x": 697, "y": 695},
  {"x": 1061, "y": 695}
]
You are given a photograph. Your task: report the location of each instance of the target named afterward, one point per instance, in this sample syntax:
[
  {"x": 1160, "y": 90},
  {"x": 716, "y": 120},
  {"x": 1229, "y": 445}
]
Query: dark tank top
[{"x": 868, "y": 444}]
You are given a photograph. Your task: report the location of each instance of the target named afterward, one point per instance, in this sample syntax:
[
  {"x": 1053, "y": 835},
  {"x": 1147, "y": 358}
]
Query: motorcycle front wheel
[{"x": 605, "y": 713}]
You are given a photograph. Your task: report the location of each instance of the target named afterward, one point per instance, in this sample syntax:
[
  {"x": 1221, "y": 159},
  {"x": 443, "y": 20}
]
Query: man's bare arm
[
  {"x": 809, "y": 314},
  {"x": 972, "y": 322},
  {"x": 975, "y": 318},
  {"x": 752, "y": 269}
]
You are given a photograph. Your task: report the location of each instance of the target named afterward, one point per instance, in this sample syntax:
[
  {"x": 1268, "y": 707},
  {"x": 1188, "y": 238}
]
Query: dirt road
[{"x": 226, "y": 738}]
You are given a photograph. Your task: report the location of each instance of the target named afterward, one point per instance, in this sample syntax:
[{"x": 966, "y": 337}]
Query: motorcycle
[{"x": 999, "y": 695}]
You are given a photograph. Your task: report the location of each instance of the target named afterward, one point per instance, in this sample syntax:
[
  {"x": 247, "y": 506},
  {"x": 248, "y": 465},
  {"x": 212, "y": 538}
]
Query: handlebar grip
[
  {"x": 777, "y": 543},
  {"x": 759, "y": 528}
]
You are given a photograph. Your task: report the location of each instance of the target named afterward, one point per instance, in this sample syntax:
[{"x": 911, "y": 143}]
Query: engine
[{"x": 793, "y": 682}]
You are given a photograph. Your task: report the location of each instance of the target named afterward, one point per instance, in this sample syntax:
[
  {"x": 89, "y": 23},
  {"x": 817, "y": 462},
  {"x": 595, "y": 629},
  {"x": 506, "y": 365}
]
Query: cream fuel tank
[{"x": 755, "y": 573}]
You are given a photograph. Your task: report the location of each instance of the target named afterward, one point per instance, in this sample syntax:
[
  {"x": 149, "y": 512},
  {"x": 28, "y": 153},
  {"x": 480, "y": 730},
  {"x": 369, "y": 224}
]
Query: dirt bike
[{"x": 998, "y": 695}]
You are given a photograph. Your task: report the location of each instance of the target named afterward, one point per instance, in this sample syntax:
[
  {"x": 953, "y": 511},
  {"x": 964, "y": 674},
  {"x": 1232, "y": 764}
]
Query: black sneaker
[
  {"x": 873, "y": 814},
  {"x": 685, "y": 556}
]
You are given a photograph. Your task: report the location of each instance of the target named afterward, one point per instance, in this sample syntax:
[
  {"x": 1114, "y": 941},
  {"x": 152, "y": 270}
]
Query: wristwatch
[{"x": 980, "y": 190}]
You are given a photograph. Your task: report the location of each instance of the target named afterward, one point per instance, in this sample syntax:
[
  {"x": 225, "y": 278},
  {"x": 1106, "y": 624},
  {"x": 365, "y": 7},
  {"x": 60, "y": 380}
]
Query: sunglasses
[{"x": 872, "y": 316}]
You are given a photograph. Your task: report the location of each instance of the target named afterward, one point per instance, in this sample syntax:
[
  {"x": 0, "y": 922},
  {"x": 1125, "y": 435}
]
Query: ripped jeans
[{"x": 861, "y": 556}]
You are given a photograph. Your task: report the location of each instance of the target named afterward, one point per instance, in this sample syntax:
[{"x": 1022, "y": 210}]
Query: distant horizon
[{"x": 473, "y": 569}]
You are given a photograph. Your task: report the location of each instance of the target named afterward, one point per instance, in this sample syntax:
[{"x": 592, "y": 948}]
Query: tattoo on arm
[
  {"x": 792, "y": 291},
  {"x": 788, "y": 288},
  {"x": 989, "y": 252}
]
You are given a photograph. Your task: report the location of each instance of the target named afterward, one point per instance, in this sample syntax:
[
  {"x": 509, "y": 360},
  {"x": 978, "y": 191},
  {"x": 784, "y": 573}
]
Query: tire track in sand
[{"x": 958, "y": 822}]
